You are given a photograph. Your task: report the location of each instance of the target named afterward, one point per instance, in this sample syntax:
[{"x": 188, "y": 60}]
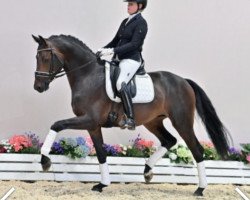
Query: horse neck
[{"x": 82, "y": 66}]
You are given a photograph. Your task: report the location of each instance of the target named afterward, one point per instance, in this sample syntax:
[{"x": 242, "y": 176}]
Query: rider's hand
[
  {"x": 105, "y": 51},
  {"x": 98, "y": 53}
]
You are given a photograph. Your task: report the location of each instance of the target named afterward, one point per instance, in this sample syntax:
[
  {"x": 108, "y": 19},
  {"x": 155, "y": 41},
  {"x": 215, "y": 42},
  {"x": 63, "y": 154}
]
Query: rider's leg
[
  {"x": 127, "y": 106},
  {"x": 128, "y": 68}
]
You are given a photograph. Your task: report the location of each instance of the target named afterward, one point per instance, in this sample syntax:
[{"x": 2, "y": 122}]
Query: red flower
[{"x": 19, "y": 142}]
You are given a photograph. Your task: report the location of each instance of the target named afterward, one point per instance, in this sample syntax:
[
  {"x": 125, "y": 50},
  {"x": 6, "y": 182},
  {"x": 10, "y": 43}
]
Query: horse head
[{"x": 49, "y": 64}]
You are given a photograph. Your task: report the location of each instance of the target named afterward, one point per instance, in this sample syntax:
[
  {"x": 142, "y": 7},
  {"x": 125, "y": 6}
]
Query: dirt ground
[{"x": 50, "y": 190}]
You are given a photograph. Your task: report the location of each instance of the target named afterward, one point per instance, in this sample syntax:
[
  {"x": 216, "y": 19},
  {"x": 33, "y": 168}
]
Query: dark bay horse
[{"x": 176, "y": 98}]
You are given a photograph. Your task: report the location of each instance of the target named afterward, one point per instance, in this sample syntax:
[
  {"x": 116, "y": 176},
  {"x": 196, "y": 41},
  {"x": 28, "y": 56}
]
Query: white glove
[
  {"x": 106, "y": 51},
  {"x": 99, "y": 50}
]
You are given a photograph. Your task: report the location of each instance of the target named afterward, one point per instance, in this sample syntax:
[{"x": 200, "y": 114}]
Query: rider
[{"x": 127, "y": 47}]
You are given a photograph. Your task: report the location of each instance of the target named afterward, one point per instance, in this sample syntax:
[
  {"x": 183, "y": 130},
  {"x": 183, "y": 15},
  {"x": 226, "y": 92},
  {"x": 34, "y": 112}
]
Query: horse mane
[{"x": 71, "y": 39}]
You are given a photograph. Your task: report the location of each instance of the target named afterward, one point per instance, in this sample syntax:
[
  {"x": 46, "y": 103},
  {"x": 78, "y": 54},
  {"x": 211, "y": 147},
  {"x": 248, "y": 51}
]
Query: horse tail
[{"x": 215, "y": 128}]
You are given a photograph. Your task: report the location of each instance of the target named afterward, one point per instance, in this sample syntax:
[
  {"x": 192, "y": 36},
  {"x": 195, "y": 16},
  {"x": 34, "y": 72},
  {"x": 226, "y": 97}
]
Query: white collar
[{"x": 132, "y": 16}]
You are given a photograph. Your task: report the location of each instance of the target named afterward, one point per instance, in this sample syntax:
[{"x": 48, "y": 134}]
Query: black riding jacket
[{"x": 129, "y": 38}]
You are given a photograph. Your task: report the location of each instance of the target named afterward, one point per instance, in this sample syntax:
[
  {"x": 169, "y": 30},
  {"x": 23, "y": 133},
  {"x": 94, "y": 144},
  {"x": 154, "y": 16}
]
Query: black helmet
[{"x": 143, "y": 2}]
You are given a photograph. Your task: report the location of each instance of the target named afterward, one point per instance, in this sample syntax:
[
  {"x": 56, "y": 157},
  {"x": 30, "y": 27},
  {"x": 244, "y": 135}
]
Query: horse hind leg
[
  {"x": 167, "y": 141},
  {"x": 185, "y": 128}
]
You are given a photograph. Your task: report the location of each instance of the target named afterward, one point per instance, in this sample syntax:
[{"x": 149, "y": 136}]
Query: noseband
[{"x": 51, "y": 74}]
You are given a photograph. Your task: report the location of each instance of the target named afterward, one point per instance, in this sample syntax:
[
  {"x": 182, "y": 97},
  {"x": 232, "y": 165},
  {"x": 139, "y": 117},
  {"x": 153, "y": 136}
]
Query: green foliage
[
  {"x": 180, "y": 154},
  {"x": 210, "y": 154},
  {"x": 30, "y": 150}
]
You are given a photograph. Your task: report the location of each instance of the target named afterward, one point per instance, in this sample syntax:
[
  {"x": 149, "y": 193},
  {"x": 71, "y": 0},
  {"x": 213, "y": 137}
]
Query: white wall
[{"x": 207, "y": 41}]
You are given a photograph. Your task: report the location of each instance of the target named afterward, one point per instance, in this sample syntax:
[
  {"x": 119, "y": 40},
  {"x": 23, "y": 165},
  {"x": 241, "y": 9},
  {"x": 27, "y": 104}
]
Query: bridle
[{"x": 54, "y": 73}]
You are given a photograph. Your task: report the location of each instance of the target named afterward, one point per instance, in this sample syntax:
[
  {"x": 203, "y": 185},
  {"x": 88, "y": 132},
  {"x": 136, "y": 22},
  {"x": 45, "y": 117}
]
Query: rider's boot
[{"x": 128, "y": 107}]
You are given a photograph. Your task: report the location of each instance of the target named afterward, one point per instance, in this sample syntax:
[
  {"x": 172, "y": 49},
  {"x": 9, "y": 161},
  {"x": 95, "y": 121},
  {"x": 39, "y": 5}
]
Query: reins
[{"x": 63, "y": 72}]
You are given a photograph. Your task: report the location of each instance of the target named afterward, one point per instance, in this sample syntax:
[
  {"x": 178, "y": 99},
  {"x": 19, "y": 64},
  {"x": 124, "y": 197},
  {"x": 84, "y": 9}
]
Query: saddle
[{"x": 114, "y": 74}]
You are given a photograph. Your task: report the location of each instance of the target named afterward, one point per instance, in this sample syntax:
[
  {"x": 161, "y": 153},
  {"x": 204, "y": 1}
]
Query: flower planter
[{"x": 122, "y": 169}]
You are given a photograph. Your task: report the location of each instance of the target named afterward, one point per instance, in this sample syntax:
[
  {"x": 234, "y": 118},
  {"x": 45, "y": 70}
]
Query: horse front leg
[
  {"x": 82, "y": 122},
  {"x": 96, "y": 136}
]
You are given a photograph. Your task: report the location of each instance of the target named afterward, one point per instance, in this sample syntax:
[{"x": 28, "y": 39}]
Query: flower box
[{"x": 122, "y": 169}]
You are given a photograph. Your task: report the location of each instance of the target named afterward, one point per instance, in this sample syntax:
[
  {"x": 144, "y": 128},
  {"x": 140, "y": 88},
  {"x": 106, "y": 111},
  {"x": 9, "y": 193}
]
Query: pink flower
[
  {"x": 118, "y": 148},
  {"x": 207, "y": 144},
  {"x": 141, "y": 144},
  {"x": 89, "y": 141},
  {"x": 90, "y": 144},
  {"x": 19, "y": 142},
  {"x": 248, "y": 158}
]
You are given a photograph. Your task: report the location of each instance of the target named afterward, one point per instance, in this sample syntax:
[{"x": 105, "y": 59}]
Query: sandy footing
[{"x": 46, "y": 190}]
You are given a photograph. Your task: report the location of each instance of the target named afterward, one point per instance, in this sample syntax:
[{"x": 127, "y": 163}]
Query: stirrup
[
  {"x": 130, "y": 124},
  {"x": 123, "y": 123}
]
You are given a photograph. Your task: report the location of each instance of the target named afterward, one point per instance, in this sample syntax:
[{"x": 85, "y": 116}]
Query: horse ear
[
  {"x": 36, "y": 39},
  {"x": 42, "y": 41}
]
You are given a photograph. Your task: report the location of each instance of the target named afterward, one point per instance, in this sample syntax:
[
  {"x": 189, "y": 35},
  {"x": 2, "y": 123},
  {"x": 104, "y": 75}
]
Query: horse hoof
[
  {"x": 98, "y": 187},
  {"x": 199, "y": 192},
  {"x": 45, "y": 162},
  {"x": 148, "y": 176}
]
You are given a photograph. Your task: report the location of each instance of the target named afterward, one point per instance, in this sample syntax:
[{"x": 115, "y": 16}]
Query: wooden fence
[{"x": 122, "y": 169}]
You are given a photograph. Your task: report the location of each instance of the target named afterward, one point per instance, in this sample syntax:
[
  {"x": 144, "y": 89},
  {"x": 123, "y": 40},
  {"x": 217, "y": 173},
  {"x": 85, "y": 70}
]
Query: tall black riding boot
[{"x": 127, "y": 106}]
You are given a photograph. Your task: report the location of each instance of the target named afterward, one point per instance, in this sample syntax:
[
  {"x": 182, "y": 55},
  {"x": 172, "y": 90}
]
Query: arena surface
[{"x": 46, "y": 190}]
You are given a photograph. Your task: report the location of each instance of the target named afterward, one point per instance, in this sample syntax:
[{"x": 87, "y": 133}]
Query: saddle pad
[{"x": 144, "y": 87}]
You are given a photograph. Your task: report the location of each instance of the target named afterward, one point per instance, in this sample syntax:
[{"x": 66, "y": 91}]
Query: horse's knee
[{"x": 57, "y": 126}]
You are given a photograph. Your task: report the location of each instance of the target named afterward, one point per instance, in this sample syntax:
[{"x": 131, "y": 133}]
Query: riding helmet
[{"x": 143, "y": 2}]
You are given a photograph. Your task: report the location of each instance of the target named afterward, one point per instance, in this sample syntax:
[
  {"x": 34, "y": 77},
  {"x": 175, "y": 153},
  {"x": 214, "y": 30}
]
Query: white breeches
[{"x": 128, "y": 68}]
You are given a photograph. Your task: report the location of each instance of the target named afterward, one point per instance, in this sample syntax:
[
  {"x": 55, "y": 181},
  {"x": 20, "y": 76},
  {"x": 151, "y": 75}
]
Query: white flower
[
  {"x": 174, "y": 147},
  {"x": 172, "y": 156},
  {"x": 129, "y": 147},
  {"x": 125, "y": 148},
  {"x": 5, "y": 142},
  {"x": 182, "y": 142},
  {"x": 124, "y": 152}
]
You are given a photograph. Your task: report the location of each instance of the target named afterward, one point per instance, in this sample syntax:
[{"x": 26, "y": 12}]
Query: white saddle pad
[{"x": 144, "y": 87}]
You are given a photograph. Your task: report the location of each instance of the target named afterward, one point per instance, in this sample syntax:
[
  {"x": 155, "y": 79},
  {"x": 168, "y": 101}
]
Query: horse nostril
[{"x": 38, "y": 88}]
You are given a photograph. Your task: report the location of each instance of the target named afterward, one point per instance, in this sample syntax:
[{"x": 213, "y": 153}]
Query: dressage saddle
[{"x": 114, "y": 74}]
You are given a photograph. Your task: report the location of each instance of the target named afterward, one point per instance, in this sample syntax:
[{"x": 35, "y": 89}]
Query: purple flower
[
  {"x": 34, "y": 140},
  {"x": 233, "y": 150},
  {"x": 57, "y": 148},
  {"x": 111, "y": 150}
]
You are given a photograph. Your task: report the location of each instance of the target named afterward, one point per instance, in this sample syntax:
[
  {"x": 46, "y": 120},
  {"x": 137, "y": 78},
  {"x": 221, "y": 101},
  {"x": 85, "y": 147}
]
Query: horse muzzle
[{"x": 41, "y": 86}]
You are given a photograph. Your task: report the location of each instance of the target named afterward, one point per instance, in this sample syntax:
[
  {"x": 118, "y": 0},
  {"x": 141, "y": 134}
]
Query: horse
[{"x": 175, "y": 98}]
